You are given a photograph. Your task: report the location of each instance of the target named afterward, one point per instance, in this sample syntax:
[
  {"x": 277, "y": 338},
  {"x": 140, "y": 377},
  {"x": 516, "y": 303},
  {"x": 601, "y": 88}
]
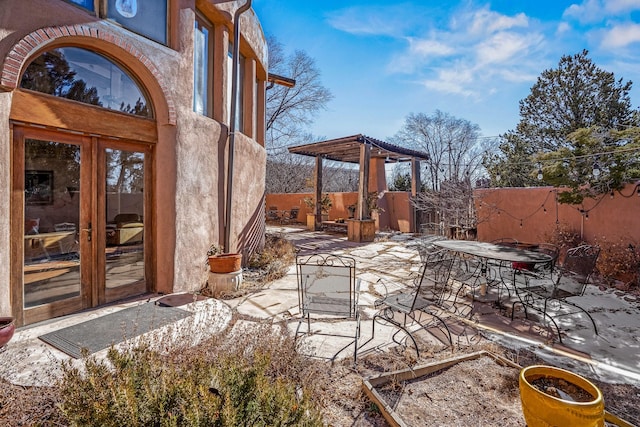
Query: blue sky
[{"x": 383, "y": 60}]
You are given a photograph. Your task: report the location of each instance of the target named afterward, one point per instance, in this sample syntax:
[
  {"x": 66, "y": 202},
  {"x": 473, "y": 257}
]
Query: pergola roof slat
[{"x": 347, "y": 149}]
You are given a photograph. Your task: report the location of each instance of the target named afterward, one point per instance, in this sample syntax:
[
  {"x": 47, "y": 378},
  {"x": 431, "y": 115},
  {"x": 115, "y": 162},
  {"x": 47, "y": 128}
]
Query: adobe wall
[
  {"x": 531, "y": 214},
  {"x": 396, "y": 215},
  {"x": 190, "y": 153}
]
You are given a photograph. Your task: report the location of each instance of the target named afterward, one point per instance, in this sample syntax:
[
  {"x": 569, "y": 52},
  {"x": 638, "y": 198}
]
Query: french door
[{"x": 81, "y": 229}]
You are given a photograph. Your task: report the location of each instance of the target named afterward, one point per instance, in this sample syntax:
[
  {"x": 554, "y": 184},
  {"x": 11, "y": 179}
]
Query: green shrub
[{"x": 207, "y": 386}]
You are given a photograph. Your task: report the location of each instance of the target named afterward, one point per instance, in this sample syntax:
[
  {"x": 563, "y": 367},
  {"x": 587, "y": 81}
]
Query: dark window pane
[
  {"x": 87, "y": 4},
  {"x": 145, "y": 17},
  {"x": 85, "y": 76}
]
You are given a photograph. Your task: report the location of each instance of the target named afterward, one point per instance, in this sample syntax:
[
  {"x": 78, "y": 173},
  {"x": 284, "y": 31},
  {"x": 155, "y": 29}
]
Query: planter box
[
  {"x": 361, "y": 230},
  {"x": 392, "y": 412},
  {"x": 425, "y": 373}
]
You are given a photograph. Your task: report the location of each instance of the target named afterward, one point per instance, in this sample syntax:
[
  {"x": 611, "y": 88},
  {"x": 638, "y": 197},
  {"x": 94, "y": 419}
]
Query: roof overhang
[
  {"x": 281, "y": 80},
  {"x": 347, "y": 150}
]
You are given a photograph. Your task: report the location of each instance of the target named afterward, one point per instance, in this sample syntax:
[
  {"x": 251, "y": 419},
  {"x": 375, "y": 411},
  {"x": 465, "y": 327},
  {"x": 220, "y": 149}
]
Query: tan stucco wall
[
  {"x": 190, "y": 151},
  {"x": 500, "y": 212}
]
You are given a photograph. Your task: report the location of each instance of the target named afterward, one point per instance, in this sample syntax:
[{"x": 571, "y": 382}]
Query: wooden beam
[
  {"x": 318, "y": 191},
  {"x": 60, "y": 113},
  {"x": 415, "y": 189},
  {"x": 363, "y": 187}
]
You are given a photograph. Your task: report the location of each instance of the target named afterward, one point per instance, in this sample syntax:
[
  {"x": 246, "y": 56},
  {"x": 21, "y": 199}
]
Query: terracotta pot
[
  {"x": 7, "y": 328},
  {"x": 225, "y": 263}
]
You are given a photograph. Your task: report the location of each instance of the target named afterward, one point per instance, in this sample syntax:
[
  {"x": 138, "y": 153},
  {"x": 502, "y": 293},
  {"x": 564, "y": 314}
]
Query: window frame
[{"x": 201, "y": 22}]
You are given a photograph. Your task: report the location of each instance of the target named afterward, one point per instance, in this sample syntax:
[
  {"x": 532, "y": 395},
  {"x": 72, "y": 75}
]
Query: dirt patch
[
  {"x": 345, "y": 403},
  {"x": 477, "y": 392}
]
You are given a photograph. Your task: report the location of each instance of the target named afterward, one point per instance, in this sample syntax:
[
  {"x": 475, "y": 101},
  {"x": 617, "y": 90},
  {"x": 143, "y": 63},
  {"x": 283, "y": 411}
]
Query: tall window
[
  {"x": 202, "y": 67},
  {"x": 85, "y": 76},
  {"x": 239, "y": 102}
]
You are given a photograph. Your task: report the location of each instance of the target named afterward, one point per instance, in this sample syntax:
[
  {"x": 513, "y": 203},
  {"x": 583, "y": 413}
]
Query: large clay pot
[
  {"x": 225, "y": 263},
  {"x": 542, "y": 409},
  {"x": 7, "y": 328}
]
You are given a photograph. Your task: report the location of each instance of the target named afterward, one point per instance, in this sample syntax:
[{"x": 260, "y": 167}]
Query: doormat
[{"x": 100, "y": 333}]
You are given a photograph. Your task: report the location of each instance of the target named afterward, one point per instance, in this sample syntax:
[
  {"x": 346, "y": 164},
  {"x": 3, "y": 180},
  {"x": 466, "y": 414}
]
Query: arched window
[{"x": 85, "y": 76}]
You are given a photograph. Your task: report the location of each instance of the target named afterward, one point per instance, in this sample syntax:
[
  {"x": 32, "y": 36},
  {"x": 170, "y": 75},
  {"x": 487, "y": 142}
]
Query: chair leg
[
  {"x": 439, "y": 319},
  {"x": 389, "y": 319}
]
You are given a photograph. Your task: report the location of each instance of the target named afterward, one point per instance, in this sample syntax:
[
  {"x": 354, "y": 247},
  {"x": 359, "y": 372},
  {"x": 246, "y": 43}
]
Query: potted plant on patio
[
  {"x": 555, "y": 396},
  {"x": 7, "y": 328},
  {"x": 325, "y": 206},
  {"x": 223, "y": 263}
]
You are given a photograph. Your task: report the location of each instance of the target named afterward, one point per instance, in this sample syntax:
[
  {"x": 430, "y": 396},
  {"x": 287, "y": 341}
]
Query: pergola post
[
  {"x": 415, "y": 189},
  {"x": 363, "y": 184},
  {"x": 318, "y": 190}
]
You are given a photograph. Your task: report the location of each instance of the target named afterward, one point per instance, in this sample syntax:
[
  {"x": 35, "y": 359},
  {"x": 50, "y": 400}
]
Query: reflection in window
[
  {"x": 87, "y": 77},
  {"x": 240, "y": 92},
  {"x": 202, "y": 60},
  {"x": 145, "y": 17}
]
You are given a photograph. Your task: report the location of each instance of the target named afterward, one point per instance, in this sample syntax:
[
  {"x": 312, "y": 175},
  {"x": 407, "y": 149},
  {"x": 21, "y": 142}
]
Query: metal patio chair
[
  {"x": 548, "y": 289},
  {"x": 328, "y": 289},
  {"x": 424, "y": 295}
]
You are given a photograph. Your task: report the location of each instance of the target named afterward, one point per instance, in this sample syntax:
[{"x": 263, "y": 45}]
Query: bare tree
[
  {"x": 455, "y": 156},
  {"x": 291, "y": 110}
]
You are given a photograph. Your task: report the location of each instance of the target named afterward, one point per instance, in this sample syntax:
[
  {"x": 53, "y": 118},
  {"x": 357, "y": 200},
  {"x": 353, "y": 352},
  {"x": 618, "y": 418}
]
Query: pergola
[{"x": 359, "y": 149}]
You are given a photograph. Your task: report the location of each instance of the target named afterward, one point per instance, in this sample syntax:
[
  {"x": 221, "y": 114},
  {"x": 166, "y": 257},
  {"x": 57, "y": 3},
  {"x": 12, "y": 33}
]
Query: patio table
[
  {"x": 494, "y": 252},
  {"x": 491, "y": 251}
]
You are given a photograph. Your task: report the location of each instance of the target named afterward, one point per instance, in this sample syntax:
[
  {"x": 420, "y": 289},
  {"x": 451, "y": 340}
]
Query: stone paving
[{"x": 612, "y": 355}]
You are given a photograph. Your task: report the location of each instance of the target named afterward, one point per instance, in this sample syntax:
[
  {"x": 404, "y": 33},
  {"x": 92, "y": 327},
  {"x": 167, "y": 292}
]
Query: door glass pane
[
  {"x": 51, "y": 219},
  {"x": 125, "y": 218}
]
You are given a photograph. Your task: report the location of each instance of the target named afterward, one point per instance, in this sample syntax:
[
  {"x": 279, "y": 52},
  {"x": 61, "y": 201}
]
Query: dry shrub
[
  {"x": 275, "y": 259},
  {"x": 250, "y": 378},
  {"x": 618, "y": 260},
  {"x": 564, "y": 237}
]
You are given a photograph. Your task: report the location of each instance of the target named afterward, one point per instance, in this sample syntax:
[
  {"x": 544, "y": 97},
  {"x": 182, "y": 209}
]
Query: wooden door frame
[
  {"x": 66, "y": 119},
  {"x": 59, "y": 308},
  {"x": 102, "y": 144}
]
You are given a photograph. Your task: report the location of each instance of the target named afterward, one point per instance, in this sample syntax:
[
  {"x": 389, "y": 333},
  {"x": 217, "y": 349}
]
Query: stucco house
[{"x": 116, "y": 118}]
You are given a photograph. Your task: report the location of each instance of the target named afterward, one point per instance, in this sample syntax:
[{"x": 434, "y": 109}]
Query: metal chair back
[
  {"x": 579, "y": 264},
  {"x": 327, "y": 285}
]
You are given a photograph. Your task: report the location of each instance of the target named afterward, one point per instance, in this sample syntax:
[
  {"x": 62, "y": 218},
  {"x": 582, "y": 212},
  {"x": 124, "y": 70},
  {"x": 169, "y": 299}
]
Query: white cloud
[
  {"x": 392, "y": 20},
  {"x": 429, "y": 47},
  {"x": 621, "y": 36},
  {"x": 591, "y": 11},
  {"x": 563, "y": 27},
  {"x": 354, "y": 21},
  {"x": 621, "y": 6},
  {"x": 485, "y": 21},
  {"x": 588, "y": 11},
  {"x": 454, "y": 81},
  {"x": 502, "y": 47}
]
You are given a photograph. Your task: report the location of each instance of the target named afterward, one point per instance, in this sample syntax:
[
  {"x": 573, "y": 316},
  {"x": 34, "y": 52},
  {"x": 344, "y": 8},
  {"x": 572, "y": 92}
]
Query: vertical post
[
  {"x": 363, "y": 187},
  {"x": 415, "y": 189},
  {"x": 318, "y": 190}
]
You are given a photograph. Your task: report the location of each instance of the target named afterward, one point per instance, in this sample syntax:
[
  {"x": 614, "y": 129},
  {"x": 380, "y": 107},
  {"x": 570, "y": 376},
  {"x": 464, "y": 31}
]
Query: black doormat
[{"x": 100, "y": 333}]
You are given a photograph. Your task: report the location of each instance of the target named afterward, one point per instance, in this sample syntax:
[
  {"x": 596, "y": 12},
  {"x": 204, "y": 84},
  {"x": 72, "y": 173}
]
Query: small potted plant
[
  {"x": 325, "y": 206},
  {"x": 223, "y": 263},
  {"x": 7, "y": 328}
]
